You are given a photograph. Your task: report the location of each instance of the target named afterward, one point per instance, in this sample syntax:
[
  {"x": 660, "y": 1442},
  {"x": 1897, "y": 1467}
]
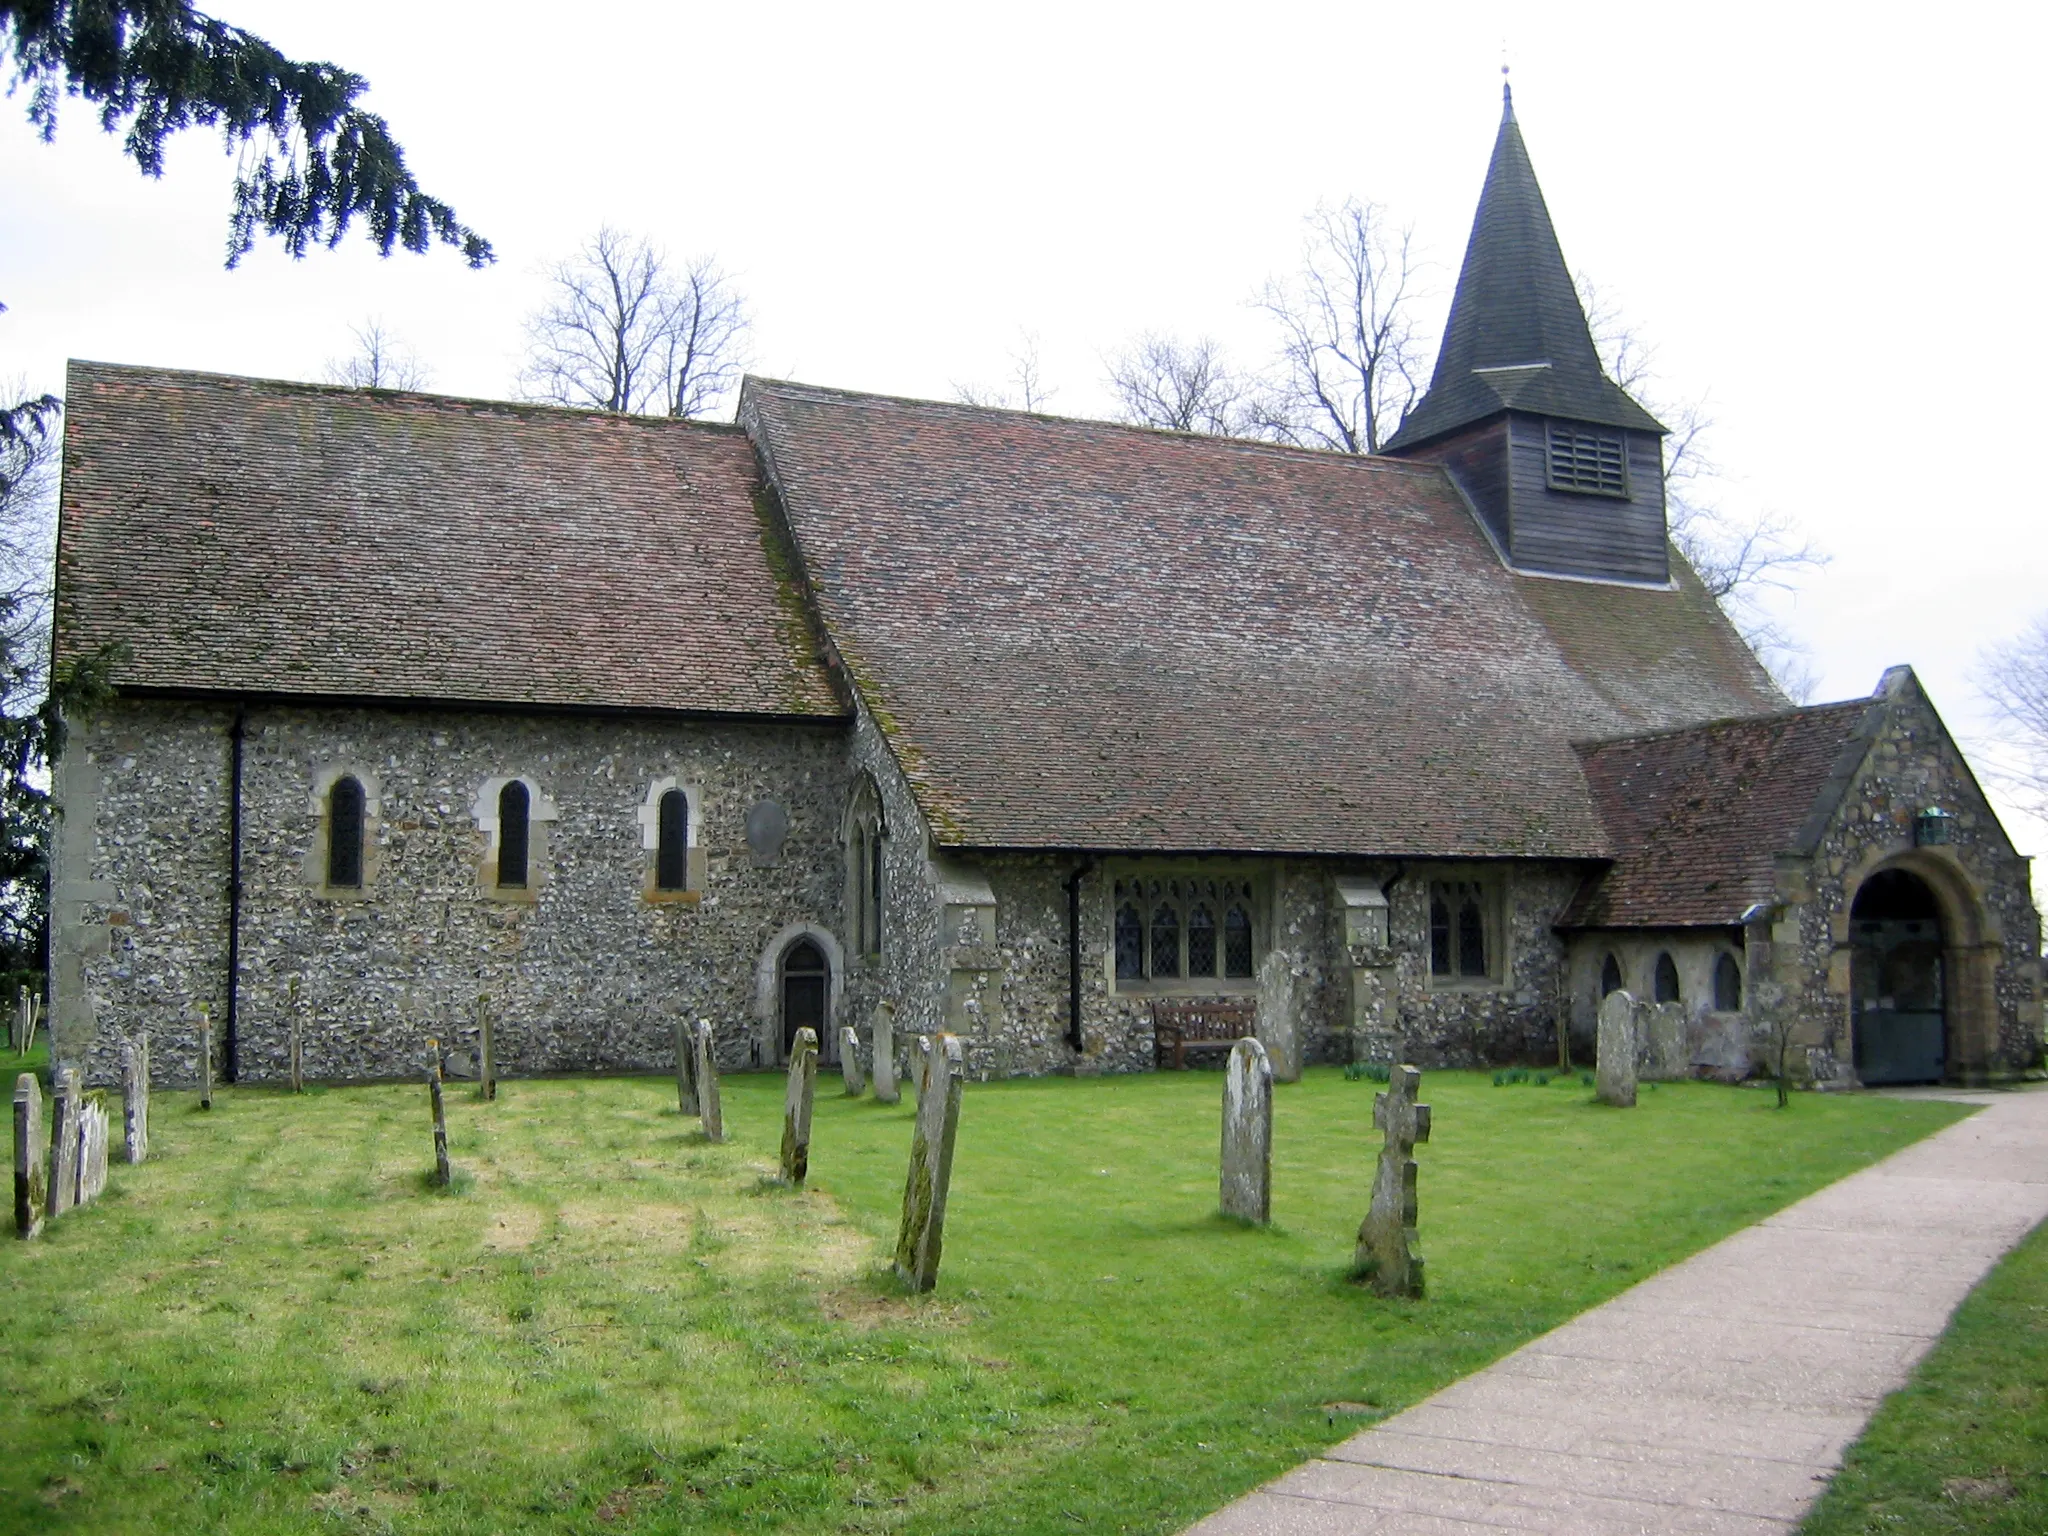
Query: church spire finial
[{"x": 1507, "y": 95}]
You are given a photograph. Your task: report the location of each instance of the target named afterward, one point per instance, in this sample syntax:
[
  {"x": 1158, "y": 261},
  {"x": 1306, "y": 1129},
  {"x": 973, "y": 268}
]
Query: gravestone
[
  {"x": 64, "y": 1143},
  {"x": 1661, "y": 1053},
  {"x": 686, "y": 1068},
  {"x": 442, "y": 1172},
  {"x": 1386, "y": 1254},
  {"x": 922, "y": 1234},
  {"x": 18, "y": 1026},
  {"x": 31, "y": 1171},
  {"x": 93, "y": 1135},
  {"x": 796, "y": 1106},
  {"x": 486, "y": 1050},
  {"x": 205, "y": 1058},
  {"x": 921, "y": 1068},
  {"x": 295, "y": 1055},
  {"x": 849, "y": 1061},
  {"x": 1615, "y": 1072},
  {"x": 708, "y": 1106},
  {"x": 135, "y": 1099},
  {"x": 885, "y": 1054},
  {"x": 1246, "y": 1185},
  {"x": 1278, "y": 1027}
]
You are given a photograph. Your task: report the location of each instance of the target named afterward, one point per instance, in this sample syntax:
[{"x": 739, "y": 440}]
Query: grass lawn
[
  {"x": 1963, "y": 1447},
  {"x": 275, "y": 1326}
]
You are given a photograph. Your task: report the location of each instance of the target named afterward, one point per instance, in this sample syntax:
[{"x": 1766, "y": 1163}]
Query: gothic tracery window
[
  {"x": 1165, "y": 941},
  {"x": 1183, "y": 929},
  {"x": 1462, "y": 927},
  {"x": 1201, "y": 940},
  {"x": 1130, "y": 944}
]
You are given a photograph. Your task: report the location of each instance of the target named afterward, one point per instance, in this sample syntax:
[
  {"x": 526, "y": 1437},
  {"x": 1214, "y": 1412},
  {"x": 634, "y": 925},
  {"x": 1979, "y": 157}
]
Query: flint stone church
[{"x": 1016, "y": 724}]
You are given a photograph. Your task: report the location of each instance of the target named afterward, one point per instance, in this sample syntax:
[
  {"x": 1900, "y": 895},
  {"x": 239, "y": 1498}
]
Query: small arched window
[
  {"x": 1666, "y": 980},
  {"x": 672, "y": 841},
  {"x": 1610, "y": 976},
  {"x": 1471, "y": 938},
  {"x": 1727, "y": 984},
  {"x": 1130, "y": 944},
  {"x": 514, "y": 815},
  {"x": 1439, "y": 936},
  {"x": 1201, "y": 941},
  {"x": 1237, "y": 943},
  {"x": 1165, "y": 941},
  {"x": 345, "y": 833},
  {"x": 873, "y": 876}
]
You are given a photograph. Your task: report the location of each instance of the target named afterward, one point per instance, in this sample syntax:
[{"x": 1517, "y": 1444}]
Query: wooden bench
[{"x": 1184, "y": 1024}]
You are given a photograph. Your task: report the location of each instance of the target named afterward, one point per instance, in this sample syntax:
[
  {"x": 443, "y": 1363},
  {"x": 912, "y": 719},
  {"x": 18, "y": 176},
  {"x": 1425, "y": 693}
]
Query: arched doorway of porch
[
  {"x": 1897, "y": 981},
  {"x": 806, "y": 987}
]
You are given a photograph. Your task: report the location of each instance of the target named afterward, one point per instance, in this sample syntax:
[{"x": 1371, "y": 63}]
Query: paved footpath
[{"x": 1716, "y": 1397}]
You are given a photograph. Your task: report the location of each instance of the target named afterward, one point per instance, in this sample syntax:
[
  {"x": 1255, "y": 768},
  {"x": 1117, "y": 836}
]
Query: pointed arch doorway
[
  {"x": 1897, "y": 981},
  {"x": 806, "y": 993}
]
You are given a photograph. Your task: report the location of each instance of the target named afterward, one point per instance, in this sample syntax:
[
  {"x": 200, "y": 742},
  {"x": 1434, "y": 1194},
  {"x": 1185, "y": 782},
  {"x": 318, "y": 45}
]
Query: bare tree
[
  {"x": 380, "y": 361},
  {"x": 623, "y": 330},
  {"x": 1351, "y": 361},
  {"x": 2013, "y": 677},
  {"x": 1740, "y": 557},
  {"x": 1024, "y": 390},
  {"x": 1182, "y": 386},
  {"x": 28, "y": 541}
]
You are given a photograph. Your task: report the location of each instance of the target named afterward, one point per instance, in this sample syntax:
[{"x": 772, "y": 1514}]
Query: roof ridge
[
  {"x": 1379, "y": 461},
  {"x": 423, "y": 397}
]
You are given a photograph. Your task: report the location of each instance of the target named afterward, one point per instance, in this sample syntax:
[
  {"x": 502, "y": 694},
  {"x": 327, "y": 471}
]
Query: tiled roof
[
  {"x": 247, "y": 536},
  {"x": 1698, "y": 816},
  {"x": 1088, "y": 636},
  {"x": 1517, "y": 336}
]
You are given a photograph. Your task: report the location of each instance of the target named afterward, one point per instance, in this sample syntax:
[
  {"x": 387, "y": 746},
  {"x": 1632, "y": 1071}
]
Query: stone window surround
[
  {"x": 695, "y": 863},
  {"x": 540, "y": 811},
  {"x": 1255, "y": 878},
  {"x": 1493, "y": 908},
  {"x": 320, "y": 804}
]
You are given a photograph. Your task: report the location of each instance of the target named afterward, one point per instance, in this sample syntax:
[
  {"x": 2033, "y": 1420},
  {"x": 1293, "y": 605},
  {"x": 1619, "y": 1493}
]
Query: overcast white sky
[{"x": 1826, "y": 217}]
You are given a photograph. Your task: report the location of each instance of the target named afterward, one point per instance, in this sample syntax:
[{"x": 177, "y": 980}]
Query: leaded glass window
[
  {"x": 1130, "y": 944},
  {"x": 1201, "y": 940},
  {"x": 1439, "y": 936},
  {"x": 1165, "y": 941},
  {"x": 1237, "y": 943},
  {"x": 1464, "y": 936},
  {"x": 345, "y": 833}
]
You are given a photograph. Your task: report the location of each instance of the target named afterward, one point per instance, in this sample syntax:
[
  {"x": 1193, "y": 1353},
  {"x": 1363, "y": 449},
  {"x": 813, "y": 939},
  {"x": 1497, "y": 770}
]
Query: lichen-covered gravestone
[
  {"x": 796, "y": 1106},
  {"x": 686, "y": 1067},
  {"x": 1615, "y": 1076},
  {"x": 135, "y": 1099},
  {"x": 1246, "y": 1187},
  {"x": 1278, "y": 1028},
  {"x": 64, "y": 1143},
  {"x": 922, "y": 1233},
  {"x": 1386, "y": 1254},
  {"x": 709, "y": 1109},
  {"x": 443, "y": 1174},
  {"x": 94, "y": 1132},
  {"x": 921, "y": 1067},
  {"x": 31, "y": 1172},
  {"x": 849, "y": 1062},
  {"x": 885, "y": 1054}
]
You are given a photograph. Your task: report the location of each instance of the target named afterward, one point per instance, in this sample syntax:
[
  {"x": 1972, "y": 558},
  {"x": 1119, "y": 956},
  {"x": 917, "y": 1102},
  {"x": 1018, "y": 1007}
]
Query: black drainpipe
[
  {"x": 228, "y": 1036},
  {"x": 1073, "y": 883}
]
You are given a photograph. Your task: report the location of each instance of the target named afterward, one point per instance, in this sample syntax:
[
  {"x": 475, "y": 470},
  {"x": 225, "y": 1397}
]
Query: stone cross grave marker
[
  {"x": 1386, "y": 1239},
  {"x": 922, "y": 1233},
  {"x": 849, "y": 1062},
  {"x": 93, "y": 1135},
  {"x": 31, "y": 1172},
  {"x": 796, "y": 1106},
  {"x": 686, "y": 1068},
  {"x": 1615, "y": 1072},
  {"x": 708, "y": 1106},
  {"x": 64, "y": 1143},
  {"x": 486, "y": 1050},
  {"x": 1246, "y": 1185},
  {"x": 205, "y": 1057},
  {"x": 135, "y": 1099},
  {"x": 885, "y": 1053},
  {"x": 443, "y": 1174}
]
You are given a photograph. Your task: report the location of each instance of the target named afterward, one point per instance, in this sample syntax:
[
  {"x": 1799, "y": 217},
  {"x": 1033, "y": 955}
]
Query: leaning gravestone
[
  {"x": 93, "y": 1135},
  {"x": 922, "y": 1233},
  {"x": 708, "y": 1106},
  {"x": 443, "y": 1174},
  {"x": 31, "y": 1172},
  {"x": 686, "y": 1068},
  {"x": 1279, "y": 1029},
  {"x": 135, "y": 1099},
  {"x": 1386, "y": 1239},
  {"x": 796, "y": 1106},
  {"x": 1247, "y": 1179},
  {"x": 885, "y": 1053},
  {"x": 849, "y": 1062},
  {"x": 64, "y": 1143},
  {"x": 1615, "y": 1078}
]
